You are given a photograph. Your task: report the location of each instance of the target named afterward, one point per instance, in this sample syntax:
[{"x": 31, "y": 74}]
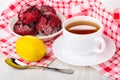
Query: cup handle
[{"x": 101, "y": 46}]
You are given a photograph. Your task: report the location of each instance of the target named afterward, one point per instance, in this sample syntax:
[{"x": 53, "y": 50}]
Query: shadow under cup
[{"x": 82, "y": 35}]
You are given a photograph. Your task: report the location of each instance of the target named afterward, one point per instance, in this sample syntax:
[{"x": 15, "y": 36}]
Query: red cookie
[
  {"x": 29, "y": 14},
  {"x": 23, "y": 29},
  {"x": 48, "y": 24},
  {"x": 46, "y": 8}
]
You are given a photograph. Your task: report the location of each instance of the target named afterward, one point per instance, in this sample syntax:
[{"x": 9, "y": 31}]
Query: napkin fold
[{"x": 68, "y": 8}]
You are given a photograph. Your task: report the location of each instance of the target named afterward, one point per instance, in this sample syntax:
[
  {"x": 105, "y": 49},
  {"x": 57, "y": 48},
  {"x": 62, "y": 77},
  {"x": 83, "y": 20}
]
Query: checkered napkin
[
  {"x": 111, "y": 68},
  {"x": 68, "y": 8}
]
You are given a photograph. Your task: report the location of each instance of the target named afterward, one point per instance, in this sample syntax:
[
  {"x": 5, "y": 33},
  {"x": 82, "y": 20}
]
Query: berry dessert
[
  {"x": 24, "y": 29},
  {"x": 29, "y": 14},
  {"x": 37, "y": 19},
  {"x": 48, "y": 24}
]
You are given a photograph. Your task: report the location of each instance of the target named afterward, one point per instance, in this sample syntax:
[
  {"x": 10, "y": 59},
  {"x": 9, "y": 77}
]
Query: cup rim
[{"x": 76, "y": 18}]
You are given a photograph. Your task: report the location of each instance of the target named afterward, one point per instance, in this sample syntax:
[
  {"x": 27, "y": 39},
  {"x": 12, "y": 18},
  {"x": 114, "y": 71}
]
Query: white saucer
[{"x": 93, "y": 59}]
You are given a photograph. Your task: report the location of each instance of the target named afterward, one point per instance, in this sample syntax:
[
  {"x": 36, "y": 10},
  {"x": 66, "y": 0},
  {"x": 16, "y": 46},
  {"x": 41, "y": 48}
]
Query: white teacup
[{"x": 83, "y": 42}]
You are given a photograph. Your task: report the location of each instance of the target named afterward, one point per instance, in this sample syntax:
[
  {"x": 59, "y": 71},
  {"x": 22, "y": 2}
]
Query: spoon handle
[{"x": 68, "y": 71}]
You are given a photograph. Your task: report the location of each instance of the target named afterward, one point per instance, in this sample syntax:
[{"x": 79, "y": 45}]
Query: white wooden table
[{"x": 80, "y": 73}]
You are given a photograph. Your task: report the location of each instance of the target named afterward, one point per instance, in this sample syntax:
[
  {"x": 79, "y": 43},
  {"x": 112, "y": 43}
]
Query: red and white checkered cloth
[{"x": 68, "y": 8}]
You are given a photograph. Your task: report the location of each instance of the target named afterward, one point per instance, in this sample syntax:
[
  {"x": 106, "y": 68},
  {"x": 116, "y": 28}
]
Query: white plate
[{"x": 92, "y": 59}]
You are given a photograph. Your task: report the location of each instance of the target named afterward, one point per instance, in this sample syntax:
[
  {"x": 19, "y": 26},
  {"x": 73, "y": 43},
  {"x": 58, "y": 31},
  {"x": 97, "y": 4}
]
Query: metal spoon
[{"x": 12, "y": 62}]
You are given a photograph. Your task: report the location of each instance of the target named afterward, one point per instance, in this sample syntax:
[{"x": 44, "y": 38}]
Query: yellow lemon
[{"x": 30, "y": 48}]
